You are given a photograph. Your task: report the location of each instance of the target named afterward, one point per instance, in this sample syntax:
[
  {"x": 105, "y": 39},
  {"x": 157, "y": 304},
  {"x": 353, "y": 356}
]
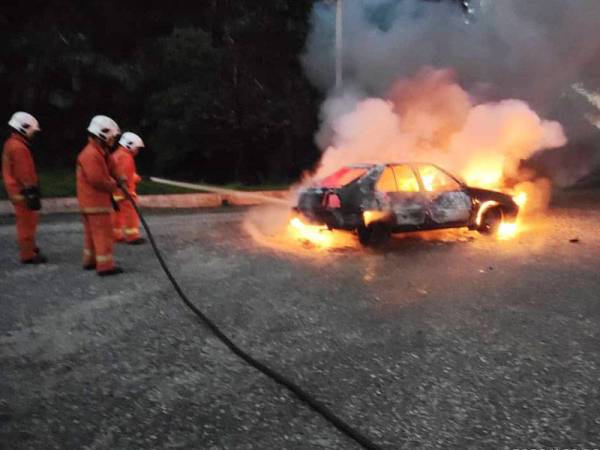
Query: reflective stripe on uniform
[
  {"x": 18, "y": 198},
  {"x": 96, "y": 210},
  {"x": 132, "y": 230},
  {"x": 118, "y": 198},
  {"x": 103, "y": 258}
]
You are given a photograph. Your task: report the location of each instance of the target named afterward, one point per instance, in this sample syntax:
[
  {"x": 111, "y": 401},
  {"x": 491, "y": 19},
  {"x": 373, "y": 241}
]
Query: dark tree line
[{"x": 214, "y": 87}]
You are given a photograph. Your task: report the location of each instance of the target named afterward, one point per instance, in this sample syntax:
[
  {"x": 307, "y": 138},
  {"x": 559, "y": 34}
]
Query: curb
[{"x": 173, "y": 201}]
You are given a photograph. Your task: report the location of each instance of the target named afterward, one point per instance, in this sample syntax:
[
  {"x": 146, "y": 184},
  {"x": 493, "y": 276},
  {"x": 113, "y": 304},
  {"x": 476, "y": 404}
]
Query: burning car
[{"x": 378, "y": 199}]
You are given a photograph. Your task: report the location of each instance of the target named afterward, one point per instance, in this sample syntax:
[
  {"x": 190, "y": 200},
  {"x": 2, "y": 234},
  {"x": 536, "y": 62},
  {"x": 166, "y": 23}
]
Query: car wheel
[
  {"x": 364, "y": 234},
  {"x": 490, "y": 221},
  {"x": 373, "y": 234}
]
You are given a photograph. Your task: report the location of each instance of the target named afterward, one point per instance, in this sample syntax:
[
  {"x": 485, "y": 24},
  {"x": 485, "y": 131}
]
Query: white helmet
[
  {"x": 104, "y": 128},
  {"x": 131, "y": 141},
  {"x": 24, "y": 123}
]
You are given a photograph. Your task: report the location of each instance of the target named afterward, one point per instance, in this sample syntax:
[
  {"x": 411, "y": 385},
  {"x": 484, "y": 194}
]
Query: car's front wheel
[{"x": 490, "y": 221}]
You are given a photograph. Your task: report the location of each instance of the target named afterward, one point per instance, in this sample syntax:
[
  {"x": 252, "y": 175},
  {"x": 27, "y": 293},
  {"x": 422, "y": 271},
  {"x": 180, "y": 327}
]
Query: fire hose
[{"x": 300, "y": 393}]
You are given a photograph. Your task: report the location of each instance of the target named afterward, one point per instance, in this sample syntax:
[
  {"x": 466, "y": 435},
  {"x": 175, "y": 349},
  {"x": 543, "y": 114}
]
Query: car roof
[
  {"x": 405, "y": 163},
  {"x": 413, "y": 165}
]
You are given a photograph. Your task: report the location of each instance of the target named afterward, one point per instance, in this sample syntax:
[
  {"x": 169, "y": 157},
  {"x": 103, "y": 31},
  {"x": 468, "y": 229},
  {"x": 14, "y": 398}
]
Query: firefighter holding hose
[
  {"x": 126, "y": 224},
  {"x": 21, "y": 182},
  {"x": 95, "y": 187}
]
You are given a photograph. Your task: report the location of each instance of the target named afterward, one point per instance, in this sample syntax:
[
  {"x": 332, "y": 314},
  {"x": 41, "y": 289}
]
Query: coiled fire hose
[{"x": 300, "y": 393}]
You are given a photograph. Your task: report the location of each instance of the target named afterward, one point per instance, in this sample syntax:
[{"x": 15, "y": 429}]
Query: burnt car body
[{"x": 378, "y": 199}]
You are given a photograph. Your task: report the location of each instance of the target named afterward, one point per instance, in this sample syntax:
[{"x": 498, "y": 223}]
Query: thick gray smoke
[
  {"x": 531, "y": 50},
  {"x": 526, "y": 49}
]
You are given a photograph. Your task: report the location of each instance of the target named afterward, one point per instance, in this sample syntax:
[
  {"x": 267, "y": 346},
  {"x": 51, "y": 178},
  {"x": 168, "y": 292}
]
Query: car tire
[
  {"x": 373, "y": 234},
  {"x": 364, "y": 234},
  {"x": 490, "y": 221}
]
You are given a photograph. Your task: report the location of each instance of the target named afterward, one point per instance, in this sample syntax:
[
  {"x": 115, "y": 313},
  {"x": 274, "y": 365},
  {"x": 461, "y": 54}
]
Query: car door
[
  {"x": 403, "y": 196},
  {"x": 449, "y": 204}
]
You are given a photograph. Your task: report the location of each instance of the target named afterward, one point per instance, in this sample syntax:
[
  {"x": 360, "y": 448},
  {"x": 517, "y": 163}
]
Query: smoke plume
[
  {"x": 507, "y": 55},
  {"x": 526, "y": 49},
  {"x": 430, "y": 117}
]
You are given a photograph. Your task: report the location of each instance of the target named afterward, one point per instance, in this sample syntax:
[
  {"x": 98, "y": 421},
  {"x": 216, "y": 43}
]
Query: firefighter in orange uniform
[
  {"x": 95, "y": 186},
  {"x": 21, "y": 182},
  {"x": 126, "y": 223}
]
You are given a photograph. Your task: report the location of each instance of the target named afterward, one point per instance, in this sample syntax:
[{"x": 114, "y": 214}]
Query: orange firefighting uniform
[
  {"x": 126, "y": 224},
  {"x": 18, "y": 172},
  {"x": 94, "y": 190}
]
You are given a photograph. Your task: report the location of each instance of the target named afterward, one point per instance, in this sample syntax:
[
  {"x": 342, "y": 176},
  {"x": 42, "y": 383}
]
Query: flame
[
  {"x": 427, "y": 182},
  {"x": 488, "y": 174},
  {"x": 508, "y": 230},
  {"x": 485, "y": 171},
  {"x": 520, "y": 199},
  {"x": 488, "y": 179},
  {"x": 318, "y": 235},
  {"x": 373, "y": 216}
]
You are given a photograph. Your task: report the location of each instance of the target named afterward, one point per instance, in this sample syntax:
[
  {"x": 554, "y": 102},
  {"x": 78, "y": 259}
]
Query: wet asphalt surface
[{"x": 460, "y": 342}]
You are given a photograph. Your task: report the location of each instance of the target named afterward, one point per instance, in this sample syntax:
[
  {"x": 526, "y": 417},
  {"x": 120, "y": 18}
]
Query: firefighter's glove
[{"x": 32, "y": 198}]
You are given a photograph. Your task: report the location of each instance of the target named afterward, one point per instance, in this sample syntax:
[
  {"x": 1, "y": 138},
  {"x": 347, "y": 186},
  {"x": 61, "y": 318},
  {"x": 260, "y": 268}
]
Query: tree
[{"x": 215, "y": 88}]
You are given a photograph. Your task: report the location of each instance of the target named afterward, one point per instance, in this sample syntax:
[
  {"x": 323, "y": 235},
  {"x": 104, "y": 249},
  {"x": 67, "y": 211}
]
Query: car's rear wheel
[
  {"x": 373, "y": 234},
  {"x": 490, "y": 221}
]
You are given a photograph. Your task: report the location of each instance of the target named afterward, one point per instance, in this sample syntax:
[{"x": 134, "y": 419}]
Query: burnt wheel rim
[{"x": 491, "y": 220}]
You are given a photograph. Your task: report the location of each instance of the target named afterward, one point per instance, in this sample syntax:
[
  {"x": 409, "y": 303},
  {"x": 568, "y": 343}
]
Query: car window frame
[
  {"x": 385, "y": 167},
  {"x": 416, "y": 168},
  {"x": 341, "y": 186},
  {"x": 415, "y": 174}
]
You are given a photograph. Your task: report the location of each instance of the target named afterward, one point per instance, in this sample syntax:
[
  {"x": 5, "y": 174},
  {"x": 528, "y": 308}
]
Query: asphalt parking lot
[{"x": 451, "y": 341}]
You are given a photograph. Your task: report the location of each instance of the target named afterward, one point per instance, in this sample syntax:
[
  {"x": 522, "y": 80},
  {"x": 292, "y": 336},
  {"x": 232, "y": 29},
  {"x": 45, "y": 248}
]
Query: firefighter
[
  {"x": 21, "y": 182},
  {"x": 95, "y": 186},
  {"x": 126, "y": 223}
]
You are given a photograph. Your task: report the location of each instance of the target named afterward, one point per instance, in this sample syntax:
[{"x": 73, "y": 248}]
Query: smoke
[
  {"x": 507, "y": 54},
  {"x": 430, "y": 117},
  {"x": 525, "y": 49}
]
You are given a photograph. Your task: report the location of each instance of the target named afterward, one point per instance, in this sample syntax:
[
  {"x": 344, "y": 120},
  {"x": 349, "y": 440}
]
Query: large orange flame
[{"x": 318, "y": 235}]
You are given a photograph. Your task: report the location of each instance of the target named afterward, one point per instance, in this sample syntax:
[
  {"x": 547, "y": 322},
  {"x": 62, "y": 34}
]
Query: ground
[{"x": 460, "y": 342}]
